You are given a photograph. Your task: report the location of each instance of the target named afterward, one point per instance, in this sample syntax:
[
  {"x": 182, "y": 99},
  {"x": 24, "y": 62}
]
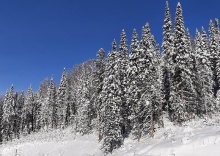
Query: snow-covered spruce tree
[
  {"x": 152, "y": 83},
  {"x": 37, "y": 107},
  {"x": 214, "y": 50},
  {"x": 218, "y": 53},
  {"x": 72, "y": 100},
  {"x": 64, "y": 102},
  {"x": 192, "y": 101},
  {"x": 8, "y": 116},
  {"x": 206, "y": 100},
  {"x": 20, "y": 104},
  {"x": 84, "y": 103},
  {"x": 133, "y": 88},
  {"x": 5, "y": 125},
  {"x": 40, "y": 111},
  {"x": 48, "y": 112},
  {"x": 199, "y": 105},
  {"x": 85, "y": 97},
  {"x": 112, "y": 101},
  {"x": 52, "y": 103},
  {"x": 158, "y": 88},
  {"x": 141, "y": 85},
  {"x": 15, "y": 118},
  {"x": 75, "y": 93},
  {"x": 122, "y": 64},
  {"x": 16, "y": 123},
  {"x": 148, "y": 80},
  {"x": 62, "y": 97},
  {"x": 49, "y": 107},
  {"x": 40, "y": 100},
  {"x": 167, "y": 57},
  {"x": 181, "y": 82},
  {"x": 27, "y": 113},
  {"x": 44, "y": 113},
  {"x": 99, "y": 77},
  {"x": 70, "y": 104}
]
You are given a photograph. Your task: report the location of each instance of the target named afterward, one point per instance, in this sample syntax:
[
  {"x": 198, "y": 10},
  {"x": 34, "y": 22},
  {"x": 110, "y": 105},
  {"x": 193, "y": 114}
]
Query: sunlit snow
[{"x": 196, "y": 138}]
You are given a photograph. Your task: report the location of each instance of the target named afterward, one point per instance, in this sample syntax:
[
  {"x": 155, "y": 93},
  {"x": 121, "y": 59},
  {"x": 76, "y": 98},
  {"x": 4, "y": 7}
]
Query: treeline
[{"x": 127, "y": 92}]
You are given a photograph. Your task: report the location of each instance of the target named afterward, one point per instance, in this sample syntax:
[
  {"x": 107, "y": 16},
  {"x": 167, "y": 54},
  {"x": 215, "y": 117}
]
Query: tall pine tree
[
  {"x": 206, "y": 98},
  {"x": 182, "y": 90},
  {"x": 62, "y": 97},
  {"x": 167, "y": 57},
  {"x": 112, "y": 101},
  {"x": 134, "y": 90},
  {"x": 28, "y": 112},
  {"x": 122, "y": 64},
  {"x": 214, "y": 50},
  {"x": 8, "y": 116},
  {"x": 99, "y": 78}
]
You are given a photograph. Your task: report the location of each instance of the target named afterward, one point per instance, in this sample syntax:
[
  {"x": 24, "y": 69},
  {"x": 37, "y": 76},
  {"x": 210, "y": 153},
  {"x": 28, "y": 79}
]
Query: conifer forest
[{"x": 127, "y": 91}]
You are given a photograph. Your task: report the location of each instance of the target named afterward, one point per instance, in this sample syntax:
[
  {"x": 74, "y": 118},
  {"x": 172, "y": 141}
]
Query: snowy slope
[{"x": 197, "y": 138}]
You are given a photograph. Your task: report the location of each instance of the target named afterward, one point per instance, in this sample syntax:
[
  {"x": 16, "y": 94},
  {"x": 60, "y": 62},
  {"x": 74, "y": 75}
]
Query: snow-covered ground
[{"x": 197, "y": 138}]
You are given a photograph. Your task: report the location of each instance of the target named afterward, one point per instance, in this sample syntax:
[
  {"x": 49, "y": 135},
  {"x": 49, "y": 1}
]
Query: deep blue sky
[{"x": 39, "y": 38}]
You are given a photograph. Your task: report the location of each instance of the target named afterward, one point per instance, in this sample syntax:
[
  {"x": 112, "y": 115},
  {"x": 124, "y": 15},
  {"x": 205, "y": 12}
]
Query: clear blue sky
[{"x": 39, "y": 38}]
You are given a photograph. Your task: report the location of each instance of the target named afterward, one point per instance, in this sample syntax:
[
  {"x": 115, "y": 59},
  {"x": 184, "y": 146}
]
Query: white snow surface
[{"x": 200, "y": 137}]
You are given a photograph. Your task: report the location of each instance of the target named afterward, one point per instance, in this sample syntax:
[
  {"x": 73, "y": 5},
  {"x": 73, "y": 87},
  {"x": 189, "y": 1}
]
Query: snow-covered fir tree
[
  {"x": 16, "y": 123},
  {"x": 192, "y": 66},
  {"x": 20, "y": 104},
  {"x": 51, "y": 100},
  {"x": 122, "y": 63},
  {"x": 206, "y": 101},
  {"x": 72, "y": 100},
  {"x": 40, "y": 111},
  {"x": 158, "y": 88},
  {"x": 84, "y": 103},
  {"x": 75, "y": 82},
  {"x": 13, "y": 99},
  {"x": 85, "y": 96},
  {"x": 197, "y": 49},
  {"x": 28, "y": 112},
  {"x": 133, "y": 88},
  {"x": 182, "y": 90},
  {"x": 214, "y": 50},
  {"x": 149, "y": 81},
  {"x": 217, "y": 34},
  {"x": 70, "y": 105},
  {"x": 62, "y": 103},
  {"x": 8, "y": 116},
  {"x": 5, "y": 125},
  {"x": 44, "y": 113},
  {"x": 112, "y": 101},
  {"x": 167, "y": 57},
  {"x": 99, "y": 78},
  {"x": 37, "y": 108},
  {"x": 48, "y": 106}
]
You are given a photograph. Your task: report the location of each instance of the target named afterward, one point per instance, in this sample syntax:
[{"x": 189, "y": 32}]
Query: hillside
[
  {"x": 196, "y": 138},
  {"x": 125, "y": 92}
]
